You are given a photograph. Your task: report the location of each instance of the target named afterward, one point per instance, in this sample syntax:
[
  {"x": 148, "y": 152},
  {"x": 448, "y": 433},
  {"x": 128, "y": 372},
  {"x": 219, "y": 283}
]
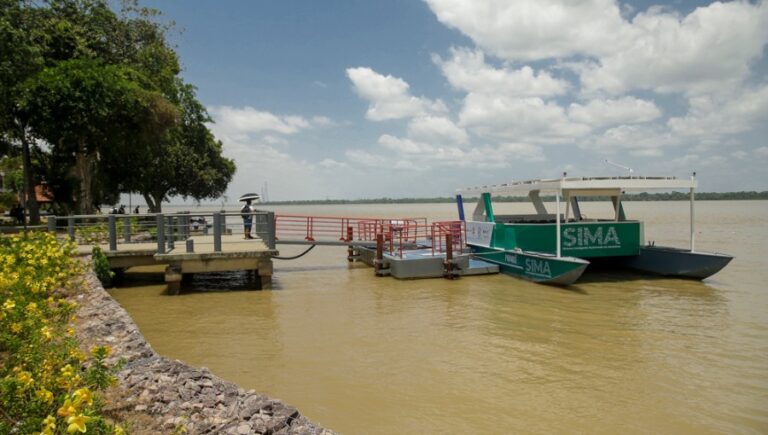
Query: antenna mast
[{"x": 626, "y": 168}]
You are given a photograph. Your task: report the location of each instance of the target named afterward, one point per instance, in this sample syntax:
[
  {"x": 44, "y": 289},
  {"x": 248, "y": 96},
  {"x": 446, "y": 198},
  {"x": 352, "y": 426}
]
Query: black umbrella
[{"x": 249, "y": 196}]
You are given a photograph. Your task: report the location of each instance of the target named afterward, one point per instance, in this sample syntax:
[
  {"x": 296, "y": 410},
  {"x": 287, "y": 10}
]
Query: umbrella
[{"x": 249, "y": 196}]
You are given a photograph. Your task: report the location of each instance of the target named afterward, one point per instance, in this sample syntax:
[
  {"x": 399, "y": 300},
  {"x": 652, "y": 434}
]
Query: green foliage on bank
[{"x": 47, "y": 385}]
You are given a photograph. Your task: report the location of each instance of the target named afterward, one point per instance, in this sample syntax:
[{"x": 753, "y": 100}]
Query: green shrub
[
  {"x": 47, "y": 385},
  {"x": 101, "y": 266}
]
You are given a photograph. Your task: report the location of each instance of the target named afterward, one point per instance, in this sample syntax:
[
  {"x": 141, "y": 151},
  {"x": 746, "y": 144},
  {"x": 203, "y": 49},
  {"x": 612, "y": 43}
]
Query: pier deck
[{"x": 236, "y": 253}]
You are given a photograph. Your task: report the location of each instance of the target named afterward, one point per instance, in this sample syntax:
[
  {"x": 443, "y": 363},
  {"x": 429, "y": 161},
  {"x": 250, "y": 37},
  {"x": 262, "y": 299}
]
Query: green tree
[
  {"x": 188, "y": 162},
  {"x": 102, "y": 89},
  {"x": 91, "y": 110},
  {"x": 20, "y": 58}
]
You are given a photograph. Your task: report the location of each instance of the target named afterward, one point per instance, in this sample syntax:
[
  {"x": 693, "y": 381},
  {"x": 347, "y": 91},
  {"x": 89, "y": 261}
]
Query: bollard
[
  {"x": 127, "y": 229},
  {"x": 171, "y": 232},
  {"x": 378, "y": 262},
  {"x": 160, "y": 219},
  {"x": 350, "y": 249},
  {"x": 71, "y": 227},
  {"x": 51, "y": 224},
  {"x": 223, "y": 221},
  {"x": 217, "y": 232},
  {"x": 186, "y": 232},
  {"x": 449, "y": 257},
  {"x": 112, "y": 225},
  {"x": 190, "y": 245},
  {"x": 271, "y": 228}
]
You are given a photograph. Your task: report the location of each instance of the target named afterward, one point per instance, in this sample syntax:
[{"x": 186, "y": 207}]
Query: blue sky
[{"x": 354, "y": 99}]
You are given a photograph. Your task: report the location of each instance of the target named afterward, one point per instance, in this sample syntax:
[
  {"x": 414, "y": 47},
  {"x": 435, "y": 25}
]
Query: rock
[{"x": 175, "y": 395}]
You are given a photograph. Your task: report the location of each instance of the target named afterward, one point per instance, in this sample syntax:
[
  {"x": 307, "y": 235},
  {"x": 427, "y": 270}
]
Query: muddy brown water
[{"x": 617, "y": 353}]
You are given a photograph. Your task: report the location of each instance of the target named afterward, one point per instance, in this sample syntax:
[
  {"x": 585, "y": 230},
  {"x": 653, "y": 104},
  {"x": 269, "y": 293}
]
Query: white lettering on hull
[{"x": 595, "y": 238}]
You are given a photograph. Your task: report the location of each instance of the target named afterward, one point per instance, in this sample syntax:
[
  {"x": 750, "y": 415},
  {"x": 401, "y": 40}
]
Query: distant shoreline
[{"x": 669, "y": 196}]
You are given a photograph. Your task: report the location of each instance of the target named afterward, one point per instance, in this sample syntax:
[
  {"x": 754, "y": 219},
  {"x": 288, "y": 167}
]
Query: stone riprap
[{"x": 159, "y": 395}]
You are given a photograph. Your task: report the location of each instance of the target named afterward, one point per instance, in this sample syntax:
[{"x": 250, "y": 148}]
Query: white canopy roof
[{"x": 584, "y": 185}]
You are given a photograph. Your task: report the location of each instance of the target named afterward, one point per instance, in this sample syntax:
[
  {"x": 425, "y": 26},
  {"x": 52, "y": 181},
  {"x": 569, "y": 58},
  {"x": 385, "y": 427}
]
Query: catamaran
[{"x": 554, "y": 248}]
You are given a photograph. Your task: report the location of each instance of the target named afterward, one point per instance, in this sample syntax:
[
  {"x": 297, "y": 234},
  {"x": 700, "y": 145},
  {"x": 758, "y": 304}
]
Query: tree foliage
[{"x": 102, "y": 90}]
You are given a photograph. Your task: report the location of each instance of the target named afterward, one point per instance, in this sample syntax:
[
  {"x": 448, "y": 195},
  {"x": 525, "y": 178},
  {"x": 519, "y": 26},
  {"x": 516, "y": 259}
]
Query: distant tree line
[
  {"x": 644, "y": 196},
  {"x": 92, "y": 103}
]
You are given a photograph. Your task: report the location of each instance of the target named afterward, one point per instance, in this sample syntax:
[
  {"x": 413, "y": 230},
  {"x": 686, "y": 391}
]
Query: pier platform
[
  {"x": 235, "y": 254},
  {"x": 425, "y": 263}
]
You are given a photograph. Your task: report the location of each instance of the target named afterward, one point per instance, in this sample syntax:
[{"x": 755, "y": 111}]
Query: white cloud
[
  {"x": 238, "y": 121},
  {"x": 761, "y": 152},
  {"x": 522, "y": 151},
  {"x": 706, "y": 51},
  {"x": 740, "y": 154},
  {"x": 389, "y": 96},
  {"x": 332, "y": 164},
  {"x": 712, "y": 116},
  {"x": 436, "y": 129},
  {"x": 658, "y": 49},
  {"x": 528, "y": 119},
  {"x": 604, "y": 112},
  {"x": 467, "y": 70},
  {"x": 536, "y": 29},
  {"x": 636, "y": 140},
  {"x": 322, "y": 121}
]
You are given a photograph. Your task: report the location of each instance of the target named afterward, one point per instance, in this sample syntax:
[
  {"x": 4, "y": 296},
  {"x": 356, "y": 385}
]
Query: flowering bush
[{"x": 47, "y": 385}]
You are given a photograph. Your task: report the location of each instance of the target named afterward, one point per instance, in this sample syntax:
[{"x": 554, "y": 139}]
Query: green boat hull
[{"x": 533, "y": 266}]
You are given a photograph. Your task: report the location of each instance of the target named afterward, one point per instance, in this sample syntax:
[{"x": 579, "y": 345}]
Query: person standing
[{"x": 247, "y": 212}]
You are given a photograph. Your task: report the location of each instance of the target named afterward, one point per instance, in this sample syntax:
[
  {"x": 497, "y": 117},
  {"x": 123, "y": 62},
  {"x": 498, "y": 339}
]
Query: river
[{"x": 616, "y": 353}]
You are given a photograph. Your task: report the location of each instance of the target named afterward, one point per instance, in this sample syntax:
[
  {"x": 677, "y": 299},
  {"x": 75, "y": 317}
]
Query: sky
[{"x": 346, "y": 99}]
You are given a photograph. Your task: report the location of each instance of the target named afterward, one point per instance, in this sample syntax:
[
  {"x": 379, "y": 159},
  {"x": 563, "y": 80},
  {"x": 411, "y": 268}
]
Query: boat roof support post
[
  {"x": 566, "y": 198},
  {"x": 460, "y": 206},
  {"x": 557, "y": 219},
  {"x": 618, "y": 208},
  {"x": 477, "y": 214},
  {"x": 537, "y": 202},
  {"x": 576, "y": 209},
  {"x": 488, "y": 207},
  {"x": 693, "y": 232}
]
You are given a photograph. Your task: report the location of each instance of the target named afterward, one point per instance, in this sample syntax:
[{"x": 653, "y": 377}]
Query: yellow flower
[
  {"x": 77, "y": 423},
  {"x": 45, "y": 395},
  {"x": 49, "y": 425},
  {"x": 9, "y": 305},
  {"x": 16, "y": 328},
  {"x": 25, "y": 378},
  {"x": 83, "y": 395},
  {"x": 71, "y": 331},
  {"x": 32, "y": 307},
  {"x": 67, "y": 409},
  {"x": 67, "y": 371},
  {"x": 46, "y": 331},
  {"x": 118, "y": 430}
]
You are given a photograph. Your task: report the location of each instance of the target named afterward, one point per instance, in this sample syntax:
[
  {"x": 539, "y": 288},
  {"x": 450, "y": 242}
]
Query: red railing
[
  {"x": 345, "y": 229},
  {"x": 399, "y": 234},
  {"x": 458, "y": 233}
]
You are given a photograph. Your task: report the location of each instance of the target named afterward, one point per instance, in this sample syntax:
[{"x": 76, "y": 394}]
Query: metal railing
[
  {"x": 458, "y": 240},
  {"x": 120, "y": 231}
]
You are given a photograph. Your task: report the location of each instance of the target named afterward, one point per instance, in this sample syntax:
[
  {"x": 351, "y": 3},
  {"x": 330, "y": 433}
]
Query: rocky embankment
[{"x": 159, "y": 395}]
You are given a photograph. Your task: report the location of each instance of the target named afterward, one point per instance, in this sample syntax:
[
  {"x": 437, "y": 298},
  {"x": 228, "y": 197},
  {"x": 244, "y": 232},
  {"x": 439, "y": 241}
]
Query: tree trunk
[
  {"x": 84, "y": 165},
  {"x": 30, "y": 199},
  {"x": 154, "y": 202}
]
